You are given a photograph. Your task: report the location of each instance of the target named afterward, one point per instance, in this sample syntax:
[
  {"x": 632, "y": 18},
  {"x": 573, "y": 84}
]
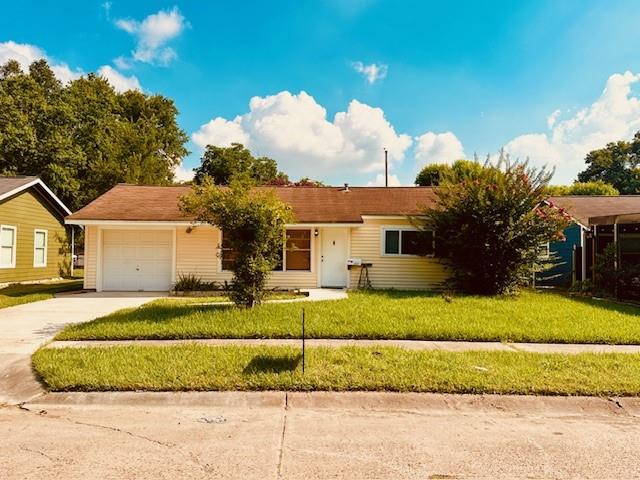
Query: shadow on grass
[
  {"x": 20, "y": 290},
  {"x": 610, "y": 305},
  {"x": 401, "y": 294},
  {"x": 272, "y": 364}
]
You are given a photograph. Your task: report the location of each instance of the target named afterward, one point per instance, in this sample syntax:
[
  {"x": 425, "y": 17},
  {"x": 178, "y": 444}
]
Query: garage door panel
[{"x": 137, "y": 260}]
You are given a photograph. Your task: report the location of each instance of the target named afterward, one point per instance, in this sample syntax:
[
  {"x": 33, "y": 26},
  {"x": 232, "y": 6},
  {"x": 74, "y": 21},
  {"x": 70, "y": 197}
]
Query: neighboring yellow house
[
  {"x": 33, "y": 237},
  {"x": 137, "y": 239}
]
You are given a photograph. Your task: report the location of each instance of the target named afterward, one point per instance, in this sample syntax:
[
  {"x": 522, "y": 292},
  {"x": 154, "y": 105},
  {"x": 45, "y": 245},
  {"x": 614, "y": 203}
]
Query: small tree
[
  {"x": 252, "y": 222},
  {"x": 490, "y": 227},
  {"x": 434, "y": 174}
]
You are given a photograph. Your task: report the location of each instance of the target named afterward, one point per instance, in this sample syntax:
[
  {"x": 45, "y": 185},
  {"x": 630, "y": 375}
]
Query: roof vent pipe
[{"x": 346, "y": 187}]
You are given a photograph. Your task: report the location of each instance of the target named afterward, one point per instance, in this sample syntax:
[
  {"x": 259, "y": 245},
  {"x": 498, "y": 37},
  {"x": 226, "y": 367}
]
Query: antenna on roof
[{"x": 386, "y": 168}]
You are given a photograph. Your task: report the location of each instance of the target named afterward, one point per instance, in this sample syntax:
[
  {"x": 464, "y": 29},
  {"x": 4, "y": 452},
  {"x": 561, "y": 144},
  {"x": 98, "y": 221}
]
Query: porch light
[{"x": 315, "y": 232}]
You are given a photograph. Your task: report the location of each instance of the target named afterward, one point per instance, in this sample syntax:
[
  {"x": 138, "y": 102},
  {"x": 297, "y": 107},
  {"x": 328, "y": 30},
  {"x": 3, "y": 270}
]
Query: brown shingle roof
[
  {"x": 310, "y": 204},
  {"x": 584, "y": 207},
  {"x": 8, "y": 184}
]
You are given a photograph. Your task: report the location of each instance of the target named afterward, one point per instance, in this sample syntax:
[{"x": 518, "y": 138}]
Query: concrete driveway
[{"x": 24, "y": 328}]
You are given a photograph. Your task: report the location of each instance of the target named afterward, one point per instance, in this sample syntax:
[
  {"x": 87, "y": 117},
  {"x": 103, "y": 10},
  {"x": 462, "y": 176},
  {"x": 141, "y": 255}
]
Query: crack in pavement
[
  {"x": 48, "y": 457},
  {"x": 284, "y": 429}
]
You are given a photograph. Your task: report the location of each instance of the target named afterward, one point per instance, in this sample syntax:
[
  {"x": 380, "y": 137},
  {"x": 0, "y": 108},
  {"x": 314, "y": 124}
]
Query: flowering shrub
[{"x": 490, "y": 226}]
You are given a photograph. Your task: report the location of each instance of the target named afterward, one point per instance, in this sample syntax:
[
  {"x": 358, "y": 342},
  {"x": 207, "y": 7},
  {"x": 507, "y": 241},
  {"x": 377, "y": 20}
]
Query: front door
[{"x": 335, "y": 249}]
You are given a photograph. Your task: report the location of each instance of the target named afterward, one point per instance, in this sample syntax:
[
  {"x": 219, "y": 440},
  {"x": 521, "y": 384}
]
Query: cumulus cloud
[
  {"x": 182, "y": 174},
  {"x": 379, "y": 181},
  {"x": 438, "y": 148},
  {"x": 294, "y": 129},
  {"x": 371, "y": 73},
  {"x": 615, "y": 115},
  {"x": 120, "y": 82},
  {"x": 153, "y": 33},
  {"x": 25, "y": 54}
]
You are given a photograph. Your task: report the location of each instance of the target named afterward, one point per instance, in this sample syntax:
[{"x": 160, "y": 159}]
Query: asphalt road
[{"x": 352, "y": 436}]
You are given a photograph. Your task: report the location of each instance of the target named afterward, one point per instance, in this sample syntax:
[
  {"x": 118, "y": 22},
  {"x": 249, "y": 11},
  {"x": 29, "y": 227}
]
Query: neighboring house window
[
  {"x": 543, "y": 251},
  {"x": 298, "y": 250},
  {"x": 295, "y": 255},
  {"x": 39, "y": 248},
  {"x": 407, "y": 241},
  {"x": 7, "y": 246}
]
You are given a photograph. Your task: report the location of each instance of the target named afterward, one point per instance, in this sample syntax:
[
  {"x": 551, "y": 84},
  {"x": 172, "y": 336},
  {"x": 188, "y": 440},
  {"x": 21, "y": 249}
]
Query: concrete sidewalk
[
  {"x": 23, "y": 328},
  {"x": 319, "y": 435},
  {"x": 406, "y": 344}
]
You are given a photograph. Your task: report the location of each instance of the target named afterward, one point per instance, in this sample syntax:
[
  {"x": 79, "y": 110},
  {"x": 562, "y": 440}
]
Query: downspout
[{"x": 73, "y": 247}]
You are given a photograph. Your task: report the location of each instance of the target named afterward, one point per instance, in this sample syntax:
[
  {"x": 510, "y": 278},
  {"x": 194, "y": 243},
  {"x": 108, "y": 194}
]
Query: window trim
[
  {"x": 547, "y": 247},
  {"x": 13, "y": 247},
  {"x": 284, "y": 252},
  {"x": 383, "y": 241},
  {"x": 46, "y": 247}
]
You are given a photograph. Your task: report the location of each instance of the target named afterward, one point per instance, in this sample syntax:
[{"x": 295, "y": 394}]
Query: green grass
[
  {"x": 197, "y": 367},
  {"x": 18, "y": 294},
  {"x": 530, "y": 317}
]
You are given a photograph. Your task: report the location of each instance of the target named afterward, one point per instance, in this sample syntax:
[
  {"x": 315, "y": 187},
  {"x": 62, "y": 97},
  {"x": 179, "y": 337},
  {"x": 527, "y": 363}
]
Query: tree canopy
[
  {"x": 490, "y": 227},
  {"x": 82, "y": 138},
  {"x": 434, "y": 173},
  {"x": 583, "y": 188},
  {"x": 617, "y": 164},
  {"x": 222, "y": 164}
]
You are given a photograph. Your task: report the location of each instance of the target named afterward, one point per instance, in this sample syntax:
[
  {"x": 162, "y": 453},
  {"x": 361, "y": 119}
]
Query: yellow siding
[
  {"x": 90, "y": 256},
  {"x": 27, "y": 212},
  {"x": 197, "y": 253},
  {"x": 402, "y": 273}
]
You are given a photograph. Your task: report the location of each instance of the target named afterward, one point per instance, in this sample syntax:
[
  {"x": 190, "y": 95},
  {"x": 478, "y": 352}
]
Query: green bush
[{"x": 188, "y": 282}]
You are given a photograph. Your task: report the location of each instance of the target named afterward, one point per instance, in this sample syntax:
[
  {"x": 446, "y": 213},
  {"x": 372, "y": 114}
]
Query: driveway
[{"x": 24, "y": 328}]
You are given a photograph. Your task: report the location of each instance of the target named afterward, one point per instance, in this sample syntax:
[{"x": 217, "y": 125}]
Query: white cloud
[
  {"x": 438, "y": 148},
  {"x": 379, "y": 181},
  {"x": 294, "y": 129},
  {"x": 615, "y": 115},
  {"x": 120, "y": 82},
  {"x": 153, "y": 33},
  {"x": 25, "y": 54},
  {"x": 182, "y": 174},
  {"x": 551, "y": 119},
  {"x": 122, "y": 63},
  {"x": 372, "y": 73}
]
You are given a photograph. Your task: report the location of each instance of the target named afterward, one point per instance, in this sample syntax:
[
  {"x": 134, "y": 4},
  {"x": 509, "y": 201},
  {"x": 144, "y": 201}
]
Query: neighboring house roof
[
  {"x": 585, "y": 208},
  {"x": 310, "y": 204},
  {"x": 11, "y": 186}
]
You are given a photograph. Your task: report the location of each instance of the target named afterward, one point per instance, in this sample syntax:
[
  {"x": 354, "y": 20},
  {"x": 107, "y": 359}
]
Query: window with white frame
[
  {"x": 407, "y": 242},
  {"x": 39, "y": 248},
  {"x": 7, "y": 246}
]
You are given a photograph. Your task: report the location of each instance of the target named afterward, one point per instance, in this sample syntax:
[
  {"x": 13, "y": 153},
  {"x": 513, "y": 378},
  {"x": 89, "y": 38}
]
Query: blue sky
[{"x": 431, "y": 81}]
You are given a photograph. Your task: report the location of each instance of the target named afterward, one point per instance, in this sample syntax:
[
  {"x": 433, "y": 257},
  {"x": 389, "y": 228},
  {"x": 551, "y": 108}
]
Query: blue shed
[{"x": 561, "y": 257}]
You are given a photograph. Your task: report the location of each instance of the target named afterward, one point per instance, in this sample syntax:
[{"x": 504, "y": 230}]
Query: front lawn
[
  {"x": 18, "y": 293},
  {"x": 530, "y": 317},
  {"x": 197, "y": 367}
]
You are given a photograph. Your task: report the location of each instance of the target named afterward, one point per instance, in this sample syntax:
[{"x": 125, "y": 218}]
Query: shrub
[
  {"x": 188, "y": 282},
  {"x": 252, "y": 222},
  {"x": 490, "y": 226}
]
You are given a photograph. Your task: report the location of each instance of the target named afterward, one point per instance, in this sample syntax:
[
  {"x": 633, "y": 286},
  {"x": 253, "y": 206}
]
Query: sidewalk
[{"x": 406, "y": 344}]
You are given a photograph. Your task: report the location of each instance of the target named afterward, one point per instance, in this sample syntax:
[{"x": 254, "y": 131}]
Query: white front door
[
  {"x": 335, "y": 250},
  {"x": 137, "y": 260}
]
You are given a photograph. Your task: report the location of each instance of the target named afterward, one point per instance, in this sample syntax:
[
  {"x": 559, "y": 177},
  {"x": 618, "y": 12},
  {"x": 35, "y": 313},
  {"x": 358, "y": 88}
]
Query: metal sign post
[{"x": 303, "y": 345}]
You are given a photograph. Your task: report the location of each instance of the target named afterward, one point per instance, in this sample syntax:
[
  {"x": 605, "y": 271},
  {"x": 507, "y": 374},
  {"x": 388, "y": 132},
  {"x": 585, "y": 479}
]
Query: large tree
[
  {"x": 82, "y": 138},
  {"x": 434, "y": 173},
  {"x": 222, "y": 164},
  {"x": 490, "y": 227},
  {"x": 583, "y": 188},
  {"x": 617, "y": 164}
]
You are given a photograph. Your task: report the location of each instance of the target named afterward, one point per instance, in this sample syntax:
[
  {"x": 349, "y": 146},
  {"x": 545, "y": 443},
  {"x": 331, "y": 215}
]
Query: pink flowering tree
[{"x": 490, "y": 226}]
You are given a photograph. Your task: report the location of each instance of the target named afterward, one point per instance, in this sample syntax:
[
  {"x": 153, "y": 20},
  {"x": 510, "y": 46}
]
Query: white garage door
[{"x": 136, "y": 260}]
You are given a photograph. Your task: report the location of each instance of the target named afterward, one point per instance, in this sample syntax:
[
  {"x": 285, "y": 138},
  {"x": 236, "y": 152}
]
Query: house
[
  {"x": 137, "y": 238},
  {"x": 597, "y": 222},
  {"x": 33, "y": 236}
]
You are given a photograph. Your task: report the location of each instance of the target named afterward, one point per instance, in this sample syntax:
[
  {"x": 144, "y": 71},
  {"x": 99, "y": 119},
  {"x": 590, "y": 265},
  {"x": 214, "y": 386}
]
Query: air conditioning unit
[{"x": 354, "y": 261}]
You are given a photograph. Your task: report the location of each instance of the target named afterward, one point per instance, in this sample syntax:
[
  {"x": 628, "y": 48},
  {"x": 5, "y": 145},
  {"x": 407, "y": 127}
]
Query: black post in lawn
[{"x": 303, "y": 341}]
